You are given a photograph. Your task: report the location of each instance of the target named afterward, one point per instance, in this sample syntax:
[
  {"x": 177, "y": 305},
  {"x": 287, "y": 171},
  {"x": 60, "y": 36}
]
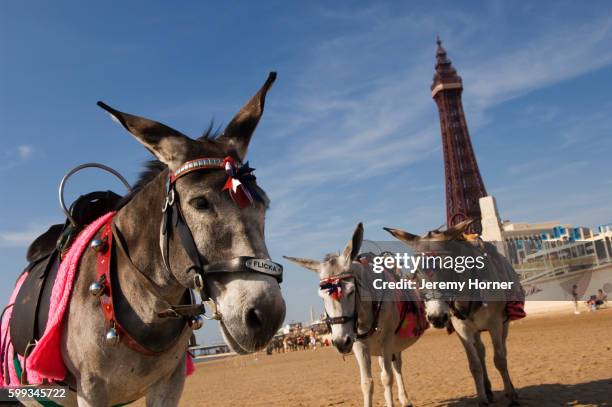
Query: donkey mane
[{"x": 152, "y": 168}]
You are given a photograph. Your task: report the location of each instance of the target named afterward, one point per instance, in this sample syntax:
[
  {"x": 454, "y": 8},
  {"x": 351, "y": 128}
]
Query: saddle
[{"x": 31, "y": 307}]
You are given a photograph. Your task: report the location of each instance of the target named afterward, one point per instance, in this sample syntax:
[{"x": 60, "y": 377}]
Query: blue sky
[{"x": 350, "y": 131}]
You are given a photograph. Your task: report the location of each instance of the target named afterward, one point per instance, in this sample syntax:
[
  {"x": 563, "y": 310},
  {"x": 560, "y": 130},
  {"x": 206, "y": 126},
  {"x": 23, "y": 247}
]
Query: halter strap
[
  {"x": 343, "y": 276},
  {"x": 204, "y": 163}
]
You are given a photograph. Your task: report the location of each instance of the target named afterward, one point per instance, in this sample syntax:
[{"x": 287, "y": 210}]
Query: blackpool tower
[{"x": 463, "y": 182}]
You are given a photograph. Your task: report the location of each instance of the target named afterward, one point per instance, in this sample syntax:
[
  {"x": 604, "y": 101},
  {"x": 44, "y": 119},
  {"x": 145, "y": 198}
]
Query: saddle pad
[
  {"x": 414, "y": 323},
  {"x": 411, "y": 309},
  {"x": 515, "y": 310},
  {"x": 45, "y": 361}
]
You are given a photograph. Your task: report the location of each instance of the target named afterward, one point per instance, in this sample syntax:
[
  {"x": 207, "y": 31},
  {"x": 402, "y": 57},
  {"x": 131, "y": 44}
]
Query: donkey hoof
[
  {"x": 483, "y": 403},
  {"x": 490, "y": 396}
]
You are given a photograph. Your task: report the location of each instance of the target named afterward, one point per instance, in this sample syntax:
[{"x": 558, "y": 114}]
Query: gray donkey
[
  {"x": 470, "y": 318},
  {"x": 359, "y": 322},
  {"x": 249, "y": 303}
]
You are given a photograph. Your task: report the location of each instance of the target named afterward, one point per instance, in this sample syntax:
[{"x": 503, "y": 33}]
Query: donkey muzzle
[
  {"x": 438, "y": 321},
  {"x": 344, "y": 344}
]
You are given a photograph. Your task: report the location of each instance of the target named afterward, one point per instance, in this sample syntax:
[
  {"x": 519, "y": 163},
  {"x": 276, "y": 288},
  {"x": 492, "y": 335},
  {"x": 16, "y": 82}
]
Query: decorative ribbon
[
  {"x": 333, "y": 287},
  {"x": 235, "y": 182}
]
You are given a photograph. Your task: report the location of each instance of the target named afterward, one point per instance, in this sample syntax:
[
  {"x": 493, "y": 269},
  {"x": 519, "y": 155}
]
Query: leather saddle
[{"x": 31, "y": 307}]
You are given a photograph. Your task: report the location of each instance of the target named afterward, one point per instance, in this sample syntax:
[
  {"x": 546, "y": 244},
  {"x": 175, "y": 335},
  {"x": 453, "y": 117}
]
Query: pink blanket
[{"x": 46, "y": 362}]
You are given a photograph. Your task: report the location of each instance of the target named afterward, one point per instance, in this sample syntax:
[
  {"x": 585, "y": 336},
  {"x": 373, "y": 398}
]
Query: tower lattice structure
[{"x": 463, "y": 182}]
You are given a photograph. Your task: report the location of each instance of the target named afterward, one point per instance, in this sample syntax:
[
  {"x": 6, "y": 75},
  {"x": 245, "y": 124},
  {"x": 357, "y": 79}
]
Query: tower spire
[
  {"x": 464, "y": 185},
  {"x": 441, "y": 58},
  {"x": 444, "y": 70},
  {"x": 440, "y": 50}
]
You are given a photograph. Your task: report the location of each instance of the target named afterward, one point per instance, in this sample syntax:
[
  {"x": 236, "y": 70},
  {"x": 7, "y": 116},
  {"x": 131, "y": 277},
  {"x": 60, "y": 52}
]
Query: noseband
[
  {"x": 333, "y": 285},
  {"x": 174, "y": 223}
]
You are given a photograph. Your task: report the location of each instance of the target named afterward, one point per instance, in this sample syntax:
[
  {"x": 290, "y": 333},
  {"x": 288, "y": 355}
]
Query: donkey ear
[
  {"x": 460, "y": 228},
  {"x": 167, "y": 144},
  {"x": 238, "y": 132},
  {"x": 351, "y": 250},
  {"x": 405, "y": 237},
  {"x": 306, "y": 263}
]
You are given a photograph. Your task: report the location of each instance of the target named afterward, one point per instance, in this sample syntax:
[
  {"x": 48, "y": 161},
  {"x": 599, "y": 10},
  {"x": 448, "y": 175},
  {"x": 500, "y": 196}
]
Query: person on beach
[
  {"x": 596, "y": 301},
  {"x": 575, "y": 297},
  {"x": 601, "y": 298},
  {"x": 313, "y": 341}
]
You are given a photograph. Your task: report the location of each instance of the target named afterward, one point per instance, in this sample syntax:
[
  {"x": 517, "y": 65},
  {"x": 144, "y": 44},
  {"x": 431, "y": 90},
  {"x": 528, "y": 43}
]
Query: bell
[
  {"x": 96, "y": 289},
  {"x": 98, "y": 245},
  {"x": 197, "y": 322},
  {"x": 112, "y": 337}
]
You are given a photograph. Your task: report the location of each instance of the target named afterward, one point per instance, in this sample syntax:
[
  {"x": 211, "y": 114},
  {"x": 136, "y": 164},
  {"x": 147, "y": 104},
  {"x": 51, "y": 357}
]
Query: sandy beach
[{"x": 560, "y": 359}]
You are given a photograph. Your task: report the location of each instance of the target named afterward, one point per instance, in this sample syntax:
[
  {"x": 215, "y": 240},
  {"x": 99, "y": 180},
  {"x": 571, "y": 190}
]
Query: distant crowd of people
[{"x": 294, "y": 342}]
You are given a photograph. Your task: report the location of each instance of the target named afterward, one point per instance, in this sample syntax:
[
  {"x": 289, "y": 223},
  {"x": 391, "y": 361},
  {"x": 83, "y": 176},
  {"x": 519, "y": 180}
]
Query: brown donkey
[{"x": 470, "y": 318}]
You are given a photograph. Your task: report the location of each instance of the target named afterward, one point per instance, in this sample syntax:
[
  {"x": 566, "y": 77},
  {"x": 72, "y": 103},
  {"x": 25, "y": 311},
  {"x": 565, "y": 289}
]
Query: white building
[{"x": 550, "y": 242}]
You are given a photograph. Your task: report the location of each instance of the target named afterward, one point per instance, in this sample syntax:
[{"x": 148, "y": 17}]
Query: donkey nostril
[{"x": 254, "y": 319}]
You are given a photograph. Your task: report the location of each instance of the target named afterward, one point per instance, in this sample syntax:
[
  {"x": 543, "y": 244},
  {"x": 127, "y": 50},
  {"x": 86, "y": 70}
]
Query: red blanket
[{"x": 45, "y": 361}]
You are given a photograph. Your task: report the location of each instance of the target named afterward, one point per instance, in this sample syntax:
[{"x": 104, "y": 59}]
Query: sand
[{"x": 554, "y": 360}]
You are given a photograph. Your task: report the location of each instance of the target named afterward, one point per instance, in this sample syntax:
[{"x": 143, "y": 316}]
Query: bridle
[
  {"x": 334, "y": 287},
  {"x": 174, "y": 223}
]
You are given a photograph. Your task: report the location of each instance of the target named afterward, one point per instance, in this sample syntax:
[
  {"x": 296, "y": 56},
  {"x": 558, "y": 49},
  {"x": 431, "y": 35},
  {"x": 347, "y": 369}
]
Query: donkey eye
[{"x": 200, "y": 203}]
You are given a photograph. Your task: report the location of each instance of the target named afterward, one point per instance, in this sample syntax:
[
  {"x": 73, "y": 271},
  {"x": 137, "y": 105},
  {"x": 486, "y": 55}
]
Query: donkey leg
[
  {"x": 481, "y": 354},
  {"x": 401, "y": 388},
  {"x": 386, "y": 377},
  {"x": 167, "y": 392},
  {"x": 499, "y": 333},
  {"x": 362, "y": 354},
  {"x": 468, "y": 341}
]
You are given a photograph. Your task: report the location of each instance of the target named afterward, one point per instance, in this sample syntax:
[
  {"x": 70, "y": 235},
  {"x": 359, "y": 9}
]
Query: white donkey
[
  {"x": 369, "y": 326},
  {"x": 470, "y": 318}
]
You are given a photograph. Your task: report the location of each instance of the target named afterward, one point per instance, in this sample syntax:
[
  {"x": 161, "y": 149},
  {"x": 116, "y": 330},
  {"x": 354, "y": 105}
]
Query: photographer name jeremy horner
[
  {"x": 471, "y": 284},
  {"x": 460, "y": 264}
]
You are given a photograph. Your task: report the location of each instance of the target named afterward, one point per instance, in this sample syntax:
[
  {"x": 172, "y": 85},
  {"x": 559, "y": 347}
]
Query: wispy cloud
[
  {"x": 14, "y": 156},
  {"x": 564, "y": 51},
  {"x": 384, "y": 119},
  {"x": 24, "y": 151},
  {"x": 363, "y": 110},
  {"x": 20, "y": 238}
]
